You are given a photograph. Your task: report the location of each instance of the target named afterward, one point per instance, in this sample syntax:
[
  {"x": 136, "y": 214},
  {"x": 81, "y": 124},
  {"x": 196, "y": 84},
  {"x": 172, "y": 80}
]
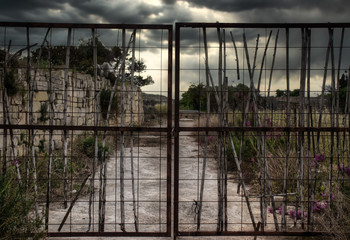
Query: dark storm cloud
[
  {"x": 78, "y": 11},
  {"x": 259, "y": 6},
  {"x": 31, "y": 10},
  {"x": 171, "y": 11},
  {"x": 121, "y": 12},
  {"x": 169, "y": 1},
  {"x": 239, "y": 5}
]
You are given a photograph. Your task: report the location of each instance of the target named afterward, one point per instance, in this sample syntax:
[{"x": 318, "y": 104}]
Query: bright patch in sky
[{"x": 153, "y": 2}]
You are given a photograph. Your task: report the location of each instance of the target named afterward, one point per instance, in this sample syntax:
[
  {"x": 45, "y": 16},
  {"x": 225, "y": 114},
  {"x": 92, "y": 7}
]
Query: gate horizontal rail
[
  {"x": 74, "y": 110},
  {"x": 241, "y": 124}
]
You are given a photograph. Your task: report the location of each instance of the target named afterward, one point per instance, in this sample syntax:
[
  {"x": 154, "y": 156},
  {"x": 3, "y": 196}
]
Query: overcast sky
[{"x": 171, "y": 11}]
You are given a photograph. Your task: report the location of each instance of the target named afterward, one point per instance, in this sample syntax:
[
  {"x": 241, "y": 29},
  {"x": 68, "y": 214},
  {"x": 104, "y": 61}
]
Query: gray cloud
[
  {"x": 239, "y": 5},
  {"x": 169, "y": 1},
  {"x": 171, "y": 11},
  {"x": 336, "y": 7}
]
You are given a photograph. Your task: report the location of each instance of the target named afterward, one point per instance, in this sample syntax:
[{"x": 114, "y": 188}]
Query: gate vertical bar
[
  {"x": 169, "y": 130},
  {"x": 176, "y": 130}
]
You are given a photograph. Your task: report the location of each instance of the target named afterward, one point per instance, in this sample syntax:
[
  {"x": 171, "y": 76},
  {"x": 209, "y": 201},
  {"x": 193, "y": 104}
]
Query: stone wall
[{"x": 80, "y": 105}]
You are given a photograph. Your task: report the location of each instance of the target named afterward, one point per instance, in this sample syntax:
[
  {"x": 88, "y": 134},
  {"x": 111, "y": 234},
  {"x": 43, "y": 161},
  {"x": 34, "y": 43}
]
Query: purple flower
[
  {"x": 252, "y": 159},
  {"x": 277, "y": 134},
  {"x": 248, "y": 123},
  {"x": 280, "y": 210},
  {"x": 292, "y": 214},
  {"x": 323, "y": 195},
  {"x": 319, "y": 157},
  {"x": 319, "y": 206},
  {"x": 237, "y": 95},
  {"x": 270, "y": 210},
  {"x": 299, "y": 214},
  {"x": 332, "y": 196}
]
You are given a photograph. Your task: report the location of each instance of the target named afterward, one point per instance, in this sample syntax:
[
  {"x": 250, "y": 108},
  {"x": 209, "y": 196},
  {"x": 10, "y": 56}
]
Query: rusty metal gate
[
  {"x": 260, "y": 127},
  {"x": 268, "y": 108},
  {"x": 93, "y": 156}
]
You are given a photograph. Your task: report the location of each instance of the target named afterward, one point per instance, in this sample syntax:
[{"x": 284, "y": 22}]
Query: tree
[
  {"x": 283, "y": 93},
  {"x": 295, "y": 93},
  {"x": 82, "y": 61},
  {"x": 343, "y": 83},
  {"x": 280, "y": 93},
  {"x": 195, "y": 98}
]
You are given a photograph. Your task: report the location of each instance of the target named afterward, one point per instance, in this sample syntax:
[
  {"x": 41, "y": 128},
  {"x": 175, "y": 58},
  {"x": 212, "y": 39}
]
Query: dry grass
[{"x": 336, "y": 219}]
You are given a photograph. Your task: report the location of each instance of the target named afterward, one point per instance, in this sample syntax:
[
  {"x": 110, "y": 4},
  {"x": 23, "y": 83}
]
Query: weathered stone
[
  {"x": 41, "y": 96},
  {"x": 36, "y": 106},
  {"x": 81, "y": 105},
  {"x": 58, "y": 144},
  {"x": 16, "y": 100}
]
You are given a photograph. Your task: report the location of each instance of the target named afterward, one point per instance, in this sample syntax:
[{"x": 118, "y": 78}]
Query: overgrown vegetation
[
  {"x": 44, "y": 112},
  {"x": 318, "y": 182},
  {"x": 105, "y": 96},
  {"x": 195, "y": 98},
  {"x": 283, "y": 93},
  {"x": 153, "y": 105},
  {"x": 16, "y": 206},
  {"x": 108, "y": 58},
  {"x": 12, "y": 84}
]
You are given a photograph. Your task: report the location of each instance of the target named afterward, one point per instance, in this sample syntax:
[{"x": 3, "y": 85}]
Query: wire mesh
[
  {"x": 84, "y": 121},
  {"x": 267, "y": 108}
]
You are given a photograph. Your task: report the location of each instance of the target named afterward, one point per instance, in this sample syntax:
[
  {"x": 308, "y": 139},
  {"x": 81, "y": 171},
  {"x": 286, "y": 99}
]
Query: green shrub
[
  {"x": 105, "y": 96},
  {"x": 248, "y": 165},
  {"x": 16, "y": 220},
  {"x": 44, "y": 112},
  {"x": 161, "y": 108},
  {"x": 88, "y": 147},
  {"x": 12, "y": 84}
]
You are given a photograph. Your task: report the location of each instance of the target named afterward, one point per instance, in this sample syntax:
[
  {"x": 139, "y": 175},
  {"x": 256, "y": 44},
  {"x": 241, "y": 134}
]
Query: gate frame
[
  {"x": 167, "y": 129},
  {"x": 178, "y": 129}
]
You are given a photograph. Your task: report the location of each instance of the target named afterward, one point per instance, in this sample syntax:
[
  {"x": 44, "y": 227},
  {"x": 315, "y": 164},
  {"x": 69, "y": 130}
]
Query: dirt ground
[{"x": 150, "y": 189}]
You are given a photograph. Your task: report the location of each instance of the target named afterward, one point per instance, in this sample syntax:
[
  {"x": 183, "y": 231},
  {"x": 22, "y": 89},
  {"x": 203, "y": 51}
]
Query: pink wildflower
[
  {"x": 270, "y": 210},
  {"x": 248, "y": 123}
]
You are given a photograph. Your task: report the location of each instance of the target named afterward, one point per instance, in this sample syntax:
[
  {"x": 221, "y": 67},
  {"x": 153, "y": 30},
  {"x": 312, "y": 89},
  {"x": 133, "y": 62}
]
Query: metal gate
[
  {"x": 94, "y": 157},
  {"x": 260, "y": 127},
  {"x": 269, "y": 115}
]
